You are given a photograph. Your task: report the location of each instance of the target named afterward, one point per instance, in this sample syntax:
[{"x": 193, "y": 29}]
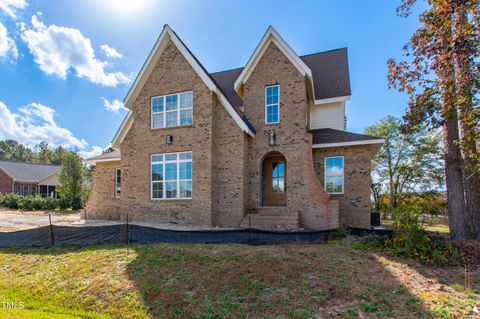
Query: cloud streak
[
  {"x": 35, "y": 123},
  {"x": 11, "y": 7},
  {"x": 7, "y": 44},
  {"x": 57, "y": 50},
  {"x": 110, "y": 52},
  {"x": 113, "y": 106}
]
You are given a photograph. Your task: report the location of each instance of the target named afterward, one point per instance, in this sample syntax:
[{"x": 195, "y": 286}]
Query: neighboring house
[
  {"x": 260, "y": 146},
  {"x": 28, "y": 179}
]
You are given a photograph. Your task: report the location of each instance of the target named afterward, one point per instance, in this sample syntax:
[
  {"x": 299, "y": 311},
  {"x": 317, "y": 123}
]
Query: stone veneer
[{"x": 355, "y": 202}]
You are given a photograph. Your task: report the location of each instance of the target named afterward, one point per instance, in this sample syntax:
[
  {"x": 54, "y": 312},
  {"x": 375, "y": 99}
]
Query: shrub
[
  {"x": 409, "y": 239},
  {"x": 14, "y": 201}
]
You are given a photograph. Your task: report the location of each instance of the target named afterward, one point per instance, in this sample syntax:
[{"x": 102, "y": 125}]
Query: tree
[
  {"x": 71, "y": 177},
  {"x": 14, "y": 151},
  {"x": 408, "y": 161},
  {"x": 429, "y": 75},
  {"x": 43, "y": 152}
]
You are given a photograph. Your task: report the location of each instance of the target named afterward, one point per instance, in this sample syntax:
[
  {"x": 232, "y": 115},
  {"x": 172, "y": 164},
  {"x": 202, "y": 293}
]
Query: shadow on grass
[{"x": 208, "y": 281}]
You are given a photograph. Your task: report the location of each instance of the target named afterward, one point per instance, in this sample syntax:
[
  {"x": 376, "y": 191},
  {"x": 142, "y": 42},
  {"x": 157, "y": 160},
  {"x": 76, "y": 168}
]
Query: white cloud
[
  {"x": 56, "y": 50},
  {"x": 96, "y": 150},
  {"x": 35, "y": 123},
  {"x": 113, "y": 106},
  {"x": 110, "y": 52},
  {"x": 10, "y": 7},
  {"x": 7, "y": 45}
]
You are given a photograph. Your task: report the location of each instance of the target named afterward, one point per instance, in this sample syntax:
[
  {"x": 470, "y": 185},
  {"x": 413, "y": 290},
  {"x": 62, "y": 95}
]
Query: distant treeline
[{"x": 41, "y": 153}]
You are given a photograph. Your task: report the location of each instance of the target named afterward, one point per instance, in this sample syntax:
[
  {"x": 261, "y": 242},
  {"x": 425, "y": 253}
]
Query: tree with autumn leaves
[{"x": 440, "y": 73}]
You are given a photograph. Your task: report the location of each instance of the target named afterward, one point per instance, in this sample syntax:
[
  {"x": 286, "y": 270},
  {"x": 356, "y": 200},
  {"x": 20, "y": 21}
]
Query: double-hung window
[
  {"x": 118, "y": 182},
  {"x": 171, "y": 176},
  {"x": 272, "y": 104},
  {"x": 334, "y": 181},
  {"x": 172, "y": 110}
]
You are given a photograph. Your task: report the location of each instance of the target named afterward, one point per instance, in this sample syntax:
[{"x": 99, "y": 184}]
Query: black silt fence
[{"x": 130, "y": 233}]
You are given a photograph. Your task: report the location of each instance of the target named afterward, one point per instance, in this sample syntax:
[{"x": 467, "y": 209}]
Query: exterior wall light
[
  {"x": 169, "y": 139},
  {"x": 272, "y": 139}
]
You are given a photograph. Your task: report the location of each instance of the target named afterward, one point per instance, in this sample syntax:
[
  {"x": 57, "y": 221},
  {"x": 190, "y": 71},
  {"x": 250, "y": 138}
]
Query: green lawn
[{"x": 229, "y": 281}]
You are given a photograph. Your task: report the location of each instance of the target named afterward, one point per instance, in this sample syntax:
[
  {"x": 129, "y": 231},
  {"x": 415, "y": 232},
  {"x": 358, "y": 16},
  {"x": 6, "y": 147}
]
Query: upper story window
[
  {"x": 272, "y": 104},
  {"x": 334, "y": 175},
  {"x": 171, "y": 176},
  {"x": 172, "y": 110},
  {"x": 118, "y": 182}
]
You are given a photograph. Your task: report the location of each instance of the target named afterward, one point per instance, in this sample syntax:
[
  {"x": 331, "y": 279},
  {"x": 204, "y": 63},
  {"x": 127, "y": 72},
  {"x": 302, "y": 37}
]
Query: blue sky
[{"x": 65, "y": 65}]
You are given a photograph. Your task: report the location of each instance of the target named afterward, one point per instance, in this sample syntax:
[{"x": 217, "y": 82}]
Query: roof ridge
[
  {"x": 300, "y": 56},
  {"x": 320, "y": 52},
  {"x": 20, "y": 162},
  {"x": 241, "y": 67}
]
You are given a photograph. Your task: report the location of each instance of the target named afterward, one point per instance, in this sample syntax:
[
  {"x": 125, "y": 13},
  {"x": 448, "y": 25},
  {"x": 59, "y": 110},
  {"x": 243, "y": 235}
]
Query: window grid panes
[
  {"x": 278, "y": 177},
  {"x": 334, "y": 167},
  {"x": 171, "y": 176},
  {"x": 172, "y": 110},
  {"x": 118, "y": 182},
  {"x": 272, "y": 104}
]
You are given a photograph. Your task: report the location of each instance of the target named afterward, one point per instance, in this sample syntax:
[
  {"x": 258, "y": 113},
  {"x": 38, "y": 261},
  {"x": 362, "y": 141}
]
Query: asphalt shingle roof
[
  {"x": 329, "y": 71},
  {"x": 26, "y": 172},
  {"x": 328, "y": 135},
  {"x": 110, "y": 155}
]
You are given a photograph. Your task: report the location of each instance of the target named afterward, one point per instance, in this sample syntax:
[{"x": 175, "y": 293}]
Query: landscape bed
[{"x": 334, "y": 280}]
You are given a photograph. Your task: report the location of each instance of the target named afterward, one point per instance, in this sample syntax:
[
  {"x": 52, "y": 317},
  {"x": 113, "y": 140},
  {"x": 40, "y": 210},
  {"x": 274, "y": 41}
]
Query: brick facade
[
  {"x": 102, "y": 203},
  {"x": 6, "y": 183},
  {"x": 355, "y": 202},
  {"x": 305, "y": 195},
  {"x": 226, "y": 162}
]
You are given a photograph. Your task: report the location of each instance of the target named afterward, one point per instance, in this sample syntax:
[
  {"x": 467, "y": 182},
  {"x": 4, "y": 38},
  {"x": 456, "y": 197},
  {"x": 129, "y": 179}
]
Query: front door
[{"x": 277, "y": 177}]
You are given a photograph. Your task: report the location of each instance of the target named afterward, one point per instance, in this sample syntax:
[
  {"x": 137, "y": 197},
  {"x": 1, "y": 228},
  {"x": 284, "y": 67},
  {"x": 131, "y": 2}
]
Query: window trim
[
  {"x": 164, "y": 112},
  {"x": 267, "y": 105},
  {"x": 178, "y": 180},
  {"x": 117, "y": 186},
  {"x": 325, "y": 174}
]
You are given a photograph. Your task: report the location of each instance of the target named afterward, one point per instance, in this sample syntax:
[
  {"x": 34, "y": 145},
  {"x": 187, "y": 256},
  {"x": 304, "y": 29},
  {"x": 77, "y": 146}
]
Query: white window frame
[
  {"x": 325, "y": 175},
  {"x": 164, "y": 112},
  {"x": 277, "y": 104},
  {"x": 118, "y": 186},
  {"x": 178, "y": 180}
]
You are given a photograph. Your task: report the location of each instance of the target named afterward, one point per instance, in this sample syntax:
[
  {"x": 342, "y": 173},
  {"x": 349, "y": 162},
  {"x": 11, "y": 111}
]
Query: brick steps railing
[{"x": 271, "y": 218}]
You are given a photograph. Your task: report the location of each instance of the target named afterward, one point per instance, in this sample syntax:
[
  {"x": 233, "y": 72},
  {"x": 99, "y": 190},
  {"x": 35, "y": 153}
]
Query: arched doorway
[{"x": 274, "y": 180}]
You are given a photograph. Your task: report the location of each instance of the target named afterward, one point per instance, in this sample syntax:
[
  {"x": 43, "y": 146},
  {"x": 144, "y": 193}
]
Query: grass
[{"x": 228, "y": 281}]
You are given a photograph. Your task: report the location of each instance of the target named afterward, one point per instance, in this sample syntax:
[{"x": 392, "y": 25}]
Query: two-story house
[{"x": 261, "y": 146}]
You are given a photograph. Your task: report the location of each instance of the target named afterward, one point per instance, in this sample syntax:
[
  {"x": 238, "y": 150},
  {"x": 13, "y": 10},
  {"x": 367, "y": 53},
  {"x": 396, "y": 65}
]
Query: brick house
[
  {"x": 28, "y": 179},
  {"x": 261, "y": 146}
]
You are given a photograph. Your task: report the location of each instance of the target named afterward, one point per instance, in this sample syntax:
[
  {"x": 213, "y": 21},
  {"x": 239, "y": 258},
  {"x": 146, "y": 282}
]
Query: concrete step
[{"x": 271, "y": 221}]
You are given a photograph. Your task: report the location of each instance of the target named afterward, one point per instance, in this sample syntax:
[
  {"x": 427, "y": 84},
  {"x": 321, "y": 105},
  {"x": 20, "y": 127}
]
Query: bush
[
  {"x": 409, "y": 239},
  {"x": 14, "y": 201}
]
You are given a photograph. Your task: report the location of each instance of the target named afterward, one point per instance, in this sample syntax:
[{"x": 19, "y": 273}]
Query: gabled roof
[
  {"x": 107, "y": 157},
  {"x": 326, "y": 73},
  {"x": 327, "y": 137},
  {"x": 166, "y": 35},
  {"x": 329, "y": 70},
  {"x": 26, "y": 172},
  {"x": 271, "y": 35}
]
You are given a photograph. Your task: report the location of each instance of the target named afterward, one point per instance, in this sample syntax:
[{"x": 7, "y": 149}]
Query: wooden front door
[{"x": 277, "y": 178}]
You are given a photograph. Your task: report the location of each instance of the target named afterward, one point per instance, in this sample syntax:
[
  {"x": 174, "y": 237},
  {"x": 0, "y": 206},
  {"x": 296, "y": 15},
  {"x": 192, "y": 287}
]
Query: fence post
[
  {"x": 249, "y": 230},
  {"x": 52, "y": 237},
  {"x": 127, "y": 237}
]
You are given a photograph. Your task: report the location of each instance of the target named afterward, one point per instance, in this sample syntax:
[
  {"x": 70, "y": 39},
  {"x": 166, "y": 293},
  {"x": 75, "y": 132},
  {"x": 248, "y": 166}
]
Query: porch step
[{"x": 271, "y": 221}]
